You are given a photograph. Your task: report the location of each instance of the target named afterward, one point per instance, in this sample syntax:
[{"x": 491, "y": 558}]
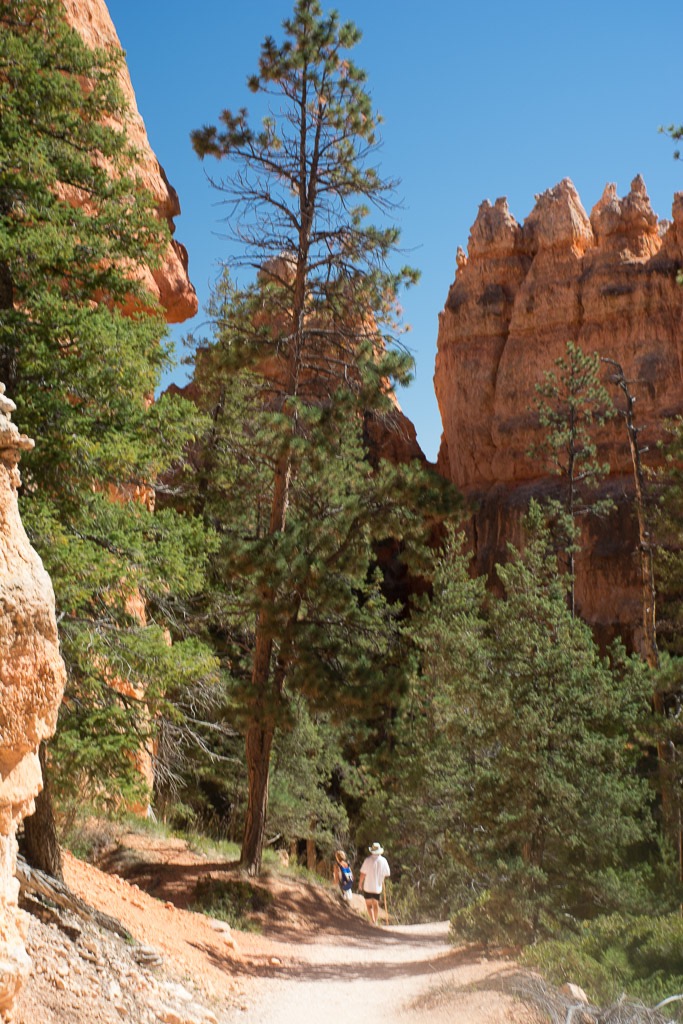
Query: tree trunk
[
  {"x": 260, "y": 731},
  {"x": 647, "y": 576},
  {"x": 259, "y": 735},
  {"x": 311, "y": 855},
  {"x": 40, "y": 845},
  {"x": 258, "y": 744},
  {"x": 671, "y": 811}
]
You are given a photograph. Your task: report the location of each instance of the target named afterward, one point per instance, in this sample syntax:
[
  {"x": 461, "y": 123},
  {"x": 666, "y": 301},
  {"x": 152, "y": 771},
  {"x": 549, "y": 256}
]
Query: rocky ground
[{"x": 187, "y": 968}]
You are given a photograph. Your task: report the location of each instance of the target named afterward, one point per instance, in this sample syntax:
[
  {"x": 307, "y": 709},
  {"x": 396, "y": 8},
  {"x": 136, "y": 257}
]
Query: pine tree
[
  {"x": 571, "y": 404},
  {"x": 425, "y": 770},
  {"x": 555, "y": 800},
  {"x": 667, "y": 487},
  {"x": 318, "y": 324},
  {"x": 516, "y": 804},
  {"x": 76, "y": 230},
  {"x": 336, "y": 645},
  {"x": 666, "y": 500},
  {"x": 307, "y": 758}
]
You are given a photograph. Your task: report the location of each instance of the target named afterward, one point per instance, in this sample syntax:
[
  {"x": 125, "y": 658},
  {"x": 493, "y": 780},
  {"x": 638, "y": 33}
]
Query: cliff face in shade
[
  {"x": 32, "y": 680},
  {"x": 170, "y": 282},
  {"x": 392, "y": 436},
  {"x": 606, "y": 282}
]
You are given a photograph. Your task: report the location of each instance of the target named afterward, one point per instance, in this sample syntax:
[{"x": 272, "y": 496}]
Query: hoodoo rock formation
[
  {"x": 32, "y": 680},
  {"x": 169, "y": 282},
  {"x": 606, "y": 282}
]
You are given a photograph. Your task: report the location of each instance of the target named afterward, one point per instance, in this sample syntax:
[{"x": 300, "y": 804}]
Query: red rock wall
[
  {"x": 170, "y": 282},
  {"x": 606, "y": 282}
]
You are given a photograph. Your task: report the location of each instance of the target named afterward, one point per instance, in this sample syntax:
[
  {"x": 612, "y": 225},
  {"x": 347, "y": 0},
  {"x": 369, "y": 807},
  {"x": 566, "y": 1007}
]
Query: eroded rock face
[
  {"x": 606, "y": 282},
  {"x": 170, "y": 282},
  {"x": 32, "y": 680}
]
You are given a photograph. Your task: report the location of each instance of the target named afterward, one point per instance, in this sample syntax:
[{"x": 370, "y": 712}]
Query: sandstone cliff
[
  {"x": 32, "y": 680},
  {"x": 606, "y": 282},
  {"x": 170, "y": 281}
]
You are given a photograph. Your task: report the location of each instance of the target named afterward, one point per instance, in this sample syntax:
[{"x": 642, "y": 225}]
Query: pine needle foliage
[
  {"x": 337, "y": 652},
  {"x": 77, "y": 230},
  {"x": 668, "y": 489},
  {"x": 514, "y": 798},
  {"x": 572, "y": 404},
  {"x": 318, "y": 324}
]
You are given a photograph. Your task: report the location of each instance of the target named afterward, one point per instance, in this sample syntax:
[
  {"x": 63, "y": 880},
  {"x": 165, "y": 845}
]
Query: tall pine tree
[
  {"x": 336, "y": 649},
  {"x": 318, "y": 324}
]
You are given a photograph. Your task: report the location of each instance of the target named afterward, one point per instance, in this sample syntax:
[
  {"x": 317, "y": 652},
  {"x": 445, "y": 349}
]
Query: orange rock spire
[{"x": 607, "y": 283}]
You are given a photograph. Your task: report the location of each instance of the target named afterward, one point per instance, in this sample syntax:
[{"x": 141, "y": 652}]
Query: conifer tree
[
  {"x": 571, "y": 404},
  {"x": 336, "y": 644},
  {"x": 318, "y": 323},
  {"x": 517, "y": 741},
  {"x": 556, "y": 798},
  {"x": 666, "y": 492},
  {"x": 303, "y": 805},
  {"x": 675, "y": 132},
  {"x": 425, "y": 775},
  {"x": 668, "y": 501},
  {"x": 76, "y": 229}
]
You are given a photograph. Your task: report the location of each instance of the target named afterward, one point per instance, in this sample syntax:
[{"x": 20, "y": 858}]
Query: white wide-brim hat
[{"x": 375, "y": 848}]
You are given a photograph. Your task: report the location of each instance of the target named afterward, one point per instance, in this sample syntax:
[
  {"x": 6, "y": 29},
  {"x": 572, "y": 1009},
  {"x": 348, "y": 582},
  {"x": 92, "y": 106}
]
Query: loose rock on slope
[{"x": 314, "y": 959}]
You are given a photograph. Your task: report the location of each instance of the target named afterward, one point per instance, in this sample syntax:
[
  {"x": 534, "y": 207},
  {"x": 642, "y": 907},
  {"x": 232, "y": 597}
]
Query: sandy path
[
  {"x": 315, "y": 960},
  {"x": 376, "y": 978}
]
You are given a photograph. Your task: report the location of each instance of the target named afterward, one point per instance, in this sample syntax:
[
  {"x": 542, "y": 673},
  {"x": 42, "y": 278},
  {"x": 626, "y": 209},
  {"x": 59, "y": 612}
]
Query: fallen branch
[
  {"x": 670, "y": 999},
  {"x": 33, "y": 882}
]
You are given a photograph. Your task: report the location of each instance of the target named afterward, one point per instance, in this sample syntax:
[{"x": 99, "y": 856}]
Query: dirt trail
[
  {"x": 384, "y": 974},
  {"x": 312, "y": 960}
]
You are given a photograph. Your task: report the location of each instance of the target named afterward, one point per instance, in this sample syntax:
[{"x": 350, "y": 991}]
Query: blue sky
[{"x": 479, "y": 100}]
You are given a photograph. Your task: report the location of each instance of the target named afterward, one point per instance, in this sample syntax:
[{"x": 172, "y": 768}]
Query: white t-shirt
[{"x": 376, "y": 869}]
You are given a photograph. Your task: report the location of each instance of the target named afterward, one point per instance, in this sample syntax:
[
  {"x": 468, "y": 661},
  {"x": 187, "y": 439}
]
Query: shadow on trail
[
  {"x": 507, "y": 980},
  {"x": 302, "y": 970},
  {"x": 294, "y": 912}
]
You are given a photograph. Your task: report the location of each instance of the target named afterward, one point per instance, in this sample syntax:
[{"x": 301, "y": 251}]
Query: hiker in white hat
[{"x": 374, "y": 870}]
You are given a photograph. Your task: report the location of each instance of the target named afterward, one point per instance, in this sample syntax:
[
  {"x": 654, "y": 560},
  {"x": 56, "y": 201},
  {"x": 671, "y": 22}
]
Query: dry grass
[
  {"x": 547, "y": 1005},
  {"x": 554, "y": 1007}
]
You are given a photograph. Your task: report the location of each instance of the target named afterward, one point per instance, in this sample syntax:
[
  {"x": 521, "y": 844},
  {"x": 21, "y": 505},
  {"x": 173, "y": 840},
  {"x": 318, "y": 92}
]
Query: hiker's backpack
[{"x": 346, "y": 878}]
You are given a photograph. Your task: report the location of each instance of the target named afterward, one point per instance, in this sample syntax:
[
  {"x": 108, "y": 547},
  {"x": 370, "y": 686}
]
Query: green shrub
[
  {"x": 641, "y": 956},
  {"x": 232, "y": 900},
  {"x": 213, "y": 849},
  {"x": 405, "y": 904},
  {"x": 510, "y": 912},
  {"x": 88, "y": 837}
]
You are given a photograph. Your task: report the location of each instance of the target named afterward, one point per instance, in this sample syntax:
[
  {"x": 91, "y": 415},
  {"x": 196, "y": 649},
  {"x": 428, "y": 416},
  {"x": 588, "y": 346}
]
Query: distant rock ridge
[
  {"x": 169, "y": 282},
  {"x": 606, "y": 282},
  {"x": 32, "y": 677}
]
